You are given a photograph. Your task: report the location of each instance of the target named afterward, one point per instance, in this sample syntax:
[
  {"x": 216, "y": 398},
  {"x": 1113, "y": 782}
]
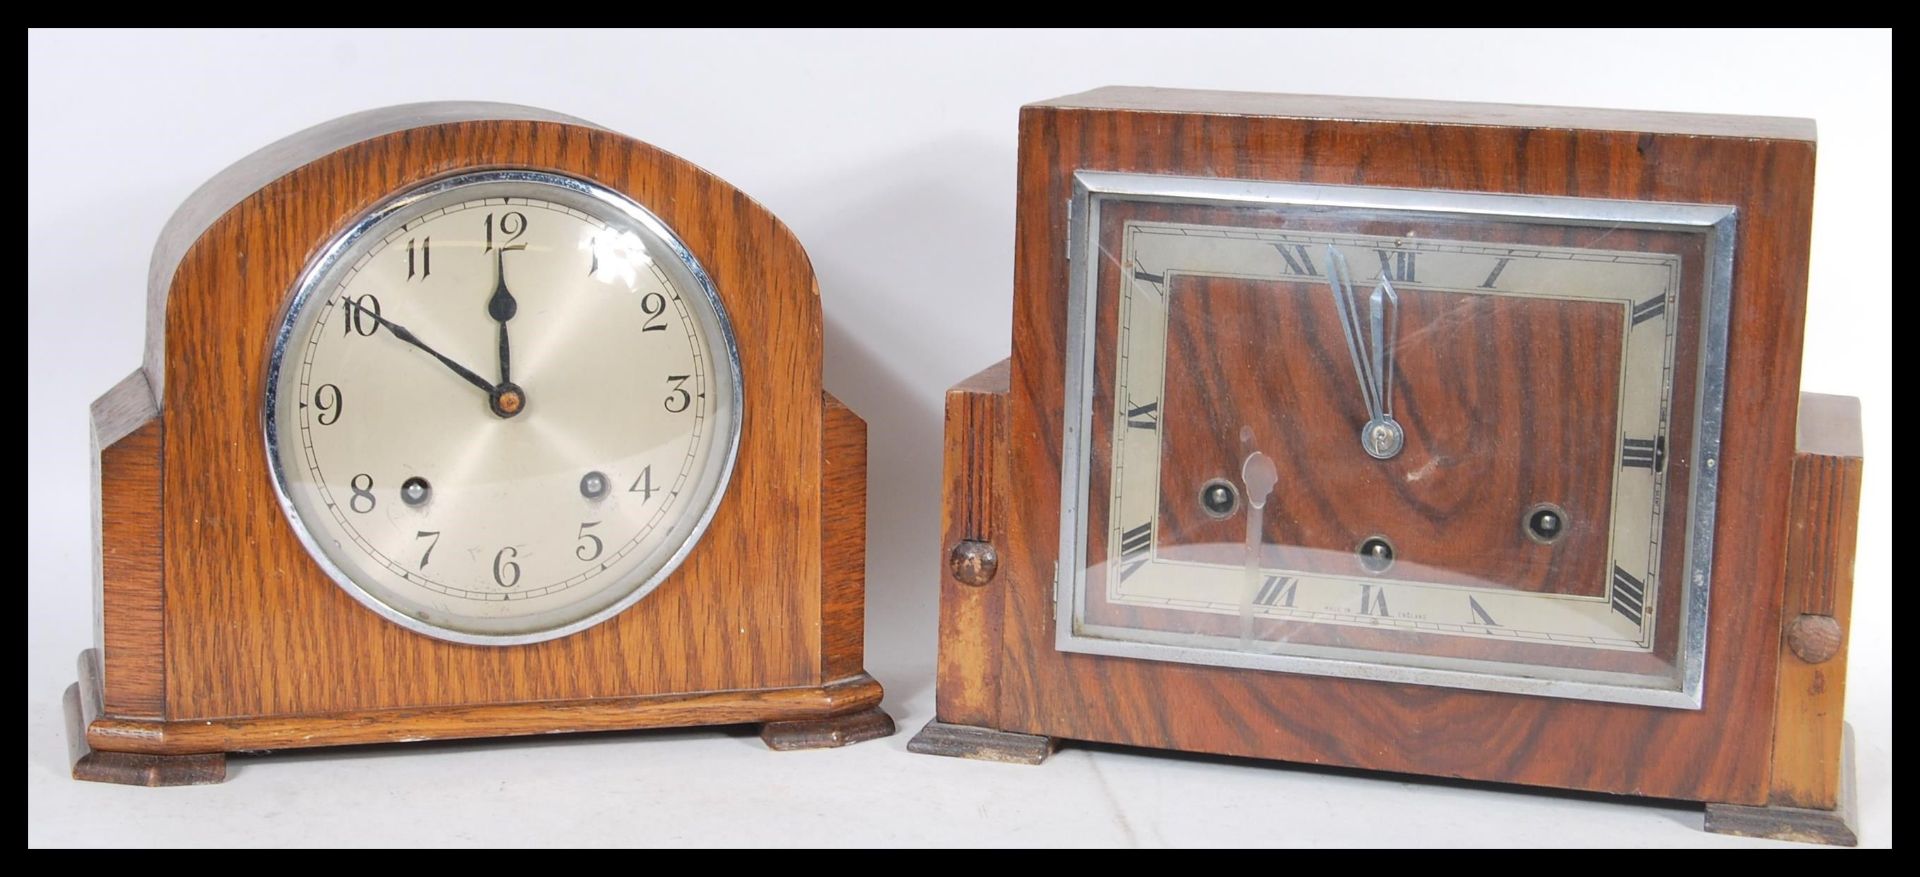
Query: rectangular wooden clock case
[{"x": 1765, "y": 749}]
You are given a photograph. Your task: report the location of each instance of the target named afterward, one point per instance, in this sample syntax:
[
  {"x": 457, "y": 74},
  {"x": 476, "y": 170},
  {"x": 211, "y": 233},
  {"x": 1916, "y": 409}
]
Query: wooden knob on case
[
  {"x": 1815, "y": 639},
  {"x": 973, "y": 562}
]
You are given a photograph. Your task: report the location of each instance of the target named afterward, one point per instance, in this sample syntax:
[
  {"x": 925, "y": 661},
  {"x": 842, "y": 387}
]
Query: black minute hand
[{"x": 403, "y": 334}]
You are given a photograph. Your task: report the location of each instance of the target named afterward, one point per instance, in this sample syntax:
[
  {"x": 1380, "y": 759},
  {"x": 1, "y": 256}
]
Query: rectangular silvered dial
[{"x": 1439, "y": 437}]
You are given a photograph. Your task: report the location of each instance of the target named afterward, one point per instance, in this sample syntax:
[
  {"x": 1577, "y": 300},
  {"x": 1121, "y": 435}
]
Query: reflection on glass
[{"x": 1484, "y": 466}]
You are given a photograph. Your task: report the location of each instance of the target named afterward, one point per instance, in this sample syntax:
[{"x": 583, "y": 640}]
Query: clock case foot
[
  {"x": 82, "y": 703},
  {"x": 980, "y": 744},
  {"x": 1838, "y": 826},
  {"x": 828, "y": 733}
]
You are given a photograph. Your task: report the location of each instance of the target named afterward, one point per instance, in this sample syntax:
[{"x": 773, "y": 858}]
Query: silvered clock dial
[
  {"x": 1460, "y": 439},
  {"x": 503, "y": 406}
]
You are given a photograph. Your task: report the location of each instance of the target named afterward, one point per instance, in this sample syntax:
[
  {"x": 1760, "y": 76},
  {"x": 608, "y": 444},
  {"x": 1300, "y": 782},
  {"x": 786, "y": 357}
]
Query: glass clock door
[{"x": 1448, "y": 438}]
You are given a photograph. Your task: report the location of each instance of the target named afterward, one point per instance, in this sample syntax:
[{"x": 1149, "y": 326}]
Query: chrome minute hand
[{"x": 1371, "y": 346}]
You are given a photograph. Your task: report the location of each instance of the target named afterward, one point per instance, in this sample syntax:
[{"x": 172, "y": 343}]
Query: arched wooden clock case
[{"x": 216, "y": 631}]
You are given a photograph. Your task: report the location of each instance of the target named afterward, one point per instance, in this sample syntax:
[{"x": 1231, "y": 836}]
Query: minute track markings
[
  {"x": 364, "y": 541},
  {"x": 1486, "y": 270}
]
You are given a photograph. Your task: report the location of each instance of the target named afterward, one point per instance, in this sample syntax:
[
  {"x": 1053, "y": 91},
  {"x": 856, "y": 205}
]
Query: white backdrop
[{"x": 891, "y": 155}]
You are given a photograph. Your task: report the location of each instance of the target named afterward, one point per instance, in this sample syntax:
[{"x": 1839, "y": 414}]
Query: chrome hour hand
[{"x": 1372, "y": 348}]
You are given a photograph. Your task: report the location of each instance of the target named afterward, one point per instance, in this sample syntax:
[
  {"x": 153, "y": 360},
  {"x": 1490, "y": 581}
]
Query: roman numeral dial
[
  {"x": 1136, "y": 547},
  {"x": 1145, "y": 416},
  {"x": 1277, "y": 591},
  {"x": 1643, "y": 453},
  {"x": 1514, "y": 395}
]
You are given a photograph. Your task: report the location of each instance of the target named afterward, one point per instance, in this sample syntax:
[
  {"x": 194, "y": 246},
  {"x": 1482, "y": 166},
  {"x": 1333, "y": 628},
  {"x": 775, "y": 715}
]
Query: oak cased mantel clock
[
  {"x": 464, "y": 420},
  {"x": 1436, "y": 438}
]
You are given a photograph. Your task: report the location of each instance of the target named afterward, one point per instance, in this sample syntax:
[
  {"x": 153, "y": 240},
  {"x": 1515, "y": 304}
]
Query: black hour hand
[{"x": 501, "y": 307}]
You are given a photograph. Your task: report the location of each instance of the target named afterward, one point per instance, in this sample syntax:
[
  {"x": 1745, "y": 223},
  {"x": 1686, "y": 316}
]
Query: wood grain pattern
[
  {"x": 260, "y": 649},
  {"x": 127, "y": 549},
  {"x": 970, "y": 616},
  {"x": 832, "y": 732},
  {"x": 1838, "y": 825},
  {"x": 1488, "y": 434},
  {"x": 852, "y": 695},
  {"x": 740, "y": 613},
  {"x": 1720, "y": 752},
  {"x": 980, "y": 744},
  {"x": 843, "y": 550},
  {"x": 81, "y": 702},
  {"x": 1314, "y": 107},
  {"x": 242, "y": 179},
  {"x": 1824, "y": 529}
]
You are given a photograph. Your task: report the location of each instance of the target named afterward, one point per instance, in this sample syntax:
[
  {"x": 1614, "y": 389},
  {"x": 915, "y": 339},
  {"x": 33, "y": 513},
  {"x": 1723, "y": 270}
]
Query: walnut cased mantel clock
[
  {"x": 464, "y": 420},
  {"x": 1437, "y": 438}
]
